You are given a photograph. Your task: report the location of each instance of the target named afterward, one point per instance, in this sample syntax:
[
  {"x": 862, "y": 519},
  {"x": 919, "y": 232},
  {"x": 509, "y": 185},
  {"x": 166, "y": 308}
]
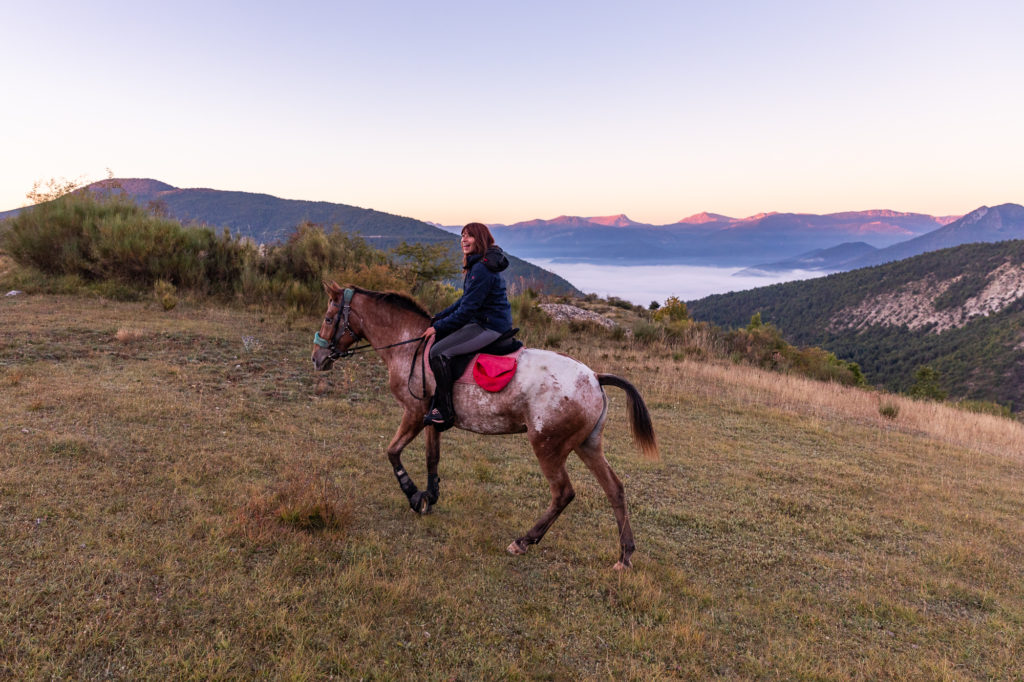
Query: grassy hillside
[
  {"x": 893, "y": 319},
  {"x": 267, "y": 219},
  {"x": 182, "y": 497}
]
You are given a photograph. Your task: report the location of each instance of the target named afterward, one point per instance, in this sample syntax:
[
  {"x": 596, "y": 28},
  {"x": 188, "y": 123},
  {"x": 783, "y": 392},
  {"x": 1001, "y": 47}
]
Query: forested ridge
[{"x": 982, "y": 359}]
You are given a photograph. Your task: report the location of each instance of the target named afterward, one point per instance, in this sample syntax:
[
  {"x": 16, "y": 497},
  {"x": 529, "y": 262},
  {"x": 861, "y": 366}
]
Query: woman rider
[{"x": 479, "y": 317}]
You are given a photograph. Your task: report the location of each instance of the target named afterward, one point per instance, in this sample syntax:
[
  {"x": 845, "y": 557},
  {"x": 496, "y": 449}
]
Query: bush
[
  {"x": 109, "y": 245},
  {"x": 164, "y": 293},
  {"x": 926, "y": 385},
  {"x": 674, "y": 310},
  {"x": 110, "y": 238},
  {"x": 617, "y": 302},
  {"x": 985, "y": 407},
  {"x": 647, "y": 333},
  {"x": 889, "y": 410}
]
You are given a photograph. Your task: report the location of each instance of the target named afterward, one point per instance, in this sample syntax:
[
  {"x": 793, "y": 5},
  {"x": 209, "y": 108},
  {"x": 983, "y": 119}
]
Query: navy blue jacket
[{"x": 483, "y": 299}]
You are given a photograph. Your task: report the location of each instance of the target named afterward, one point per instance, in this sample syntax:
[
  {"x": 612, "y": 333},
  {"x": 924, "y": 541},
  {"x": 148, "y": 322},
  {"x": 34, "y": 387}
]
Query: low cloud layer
[{"x": 642, "y": 284}]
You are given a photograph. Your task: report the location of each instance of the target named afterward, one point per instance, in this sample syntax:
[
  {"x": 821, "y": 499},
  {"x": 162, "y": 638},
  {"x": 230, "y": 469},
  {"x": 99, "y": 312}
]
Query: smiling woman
[{"x": 478, "y": 318}]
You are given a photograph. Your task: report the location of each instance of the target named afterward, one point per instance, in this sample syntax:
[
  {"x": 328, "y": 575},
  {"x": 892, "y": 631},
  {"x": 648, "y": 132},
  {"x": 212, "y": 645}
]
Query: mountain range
[
  {"x": 708, "y": 238},
  {"x": 998, "y": 223}
]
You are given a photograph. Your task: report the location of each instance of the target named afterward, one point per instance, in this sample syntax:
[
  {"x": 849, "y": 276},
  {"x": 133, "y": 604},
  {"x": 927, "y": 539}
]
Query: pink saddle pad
[{"x": 491, "y": 372}]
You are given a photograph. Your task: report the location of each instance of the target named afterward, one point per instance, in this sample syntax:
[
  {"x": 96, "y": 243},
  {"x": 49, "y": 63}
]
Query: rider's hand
[{"x": 430, "y": 332}]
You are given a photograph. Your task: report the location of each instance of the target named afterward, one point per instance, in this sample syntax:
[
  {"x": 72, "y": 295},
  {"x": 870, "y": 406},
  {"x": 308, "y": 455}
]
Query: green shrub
[
  {"x": 164, "y": 293},
  {"x": 108, "y": 245},
  {"x": 985, "y": 407},
  {"x": 674, "y": 310},
  {"x": 621, "y": 303},
  {"x": 926, "y": 385},
  {"x": 647, "y": 333}
]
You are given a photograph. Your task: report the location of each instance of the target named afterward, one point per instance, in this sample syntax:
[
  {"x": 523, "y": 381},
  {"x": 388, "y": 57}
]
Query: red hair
[{"x": 482, "y": 240}]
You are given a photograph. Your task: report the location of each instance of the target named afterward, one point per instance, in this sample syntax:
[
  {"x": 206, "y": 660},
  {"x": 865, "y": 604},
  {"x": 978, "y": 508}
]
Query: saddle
[{"x": 491, "y": 367}]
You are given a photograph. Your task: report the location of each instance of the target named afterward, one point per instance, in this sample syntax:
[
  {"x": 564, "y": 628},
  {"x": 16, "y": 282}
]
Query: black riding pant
[{"x": 467, "y": 339}]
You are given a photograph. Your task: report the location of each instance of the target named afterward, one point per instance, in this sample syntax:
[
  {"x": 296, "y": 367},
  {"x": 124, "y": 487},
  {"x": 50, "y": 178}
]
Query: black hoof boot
[{"x": 420, "y": 502}]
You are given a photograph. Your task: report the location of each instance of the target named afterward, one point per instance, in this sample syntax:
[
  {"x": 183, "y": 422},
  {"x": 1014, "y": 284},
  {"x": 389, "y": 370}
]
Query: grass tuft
[
  {"x": 889, "y": 410},
  {"x": 129, "y": 335},
  {"x": 298, "y": 501}
]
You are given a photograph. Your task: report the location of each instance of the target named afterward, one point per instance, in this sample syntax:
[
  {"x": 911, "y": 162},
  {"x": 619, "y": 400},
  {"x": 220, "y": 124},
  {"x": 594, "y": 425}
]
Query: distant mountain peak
[
  {"x": 133, "y": 186},
  {"x": 704, "y": 217},
  {"x": 620, "y": 220},
  {"x": 976, "y": 215}
]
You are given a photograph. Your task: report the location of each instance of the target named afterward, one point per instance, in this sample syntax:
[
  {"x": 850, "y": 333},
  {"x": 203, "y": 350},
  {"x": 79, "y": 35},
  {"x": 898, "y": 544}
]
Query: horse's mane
[{"x": 393, "y": 298}]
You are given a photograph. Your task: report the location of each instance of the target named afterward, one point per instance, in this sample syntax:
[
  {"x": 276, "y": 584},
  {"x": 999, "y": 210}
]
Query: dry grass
[
  {"x": 791, "y": 393},
  {"x": 187, "y": 504},
  {"x": 128, "y": 335}
]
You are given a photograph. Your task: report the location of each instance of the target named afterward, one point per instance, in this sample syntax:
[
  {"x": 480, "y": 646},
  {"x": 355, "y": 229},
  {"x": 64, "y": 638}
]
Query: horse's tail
[{"x": 639, "y": 418}]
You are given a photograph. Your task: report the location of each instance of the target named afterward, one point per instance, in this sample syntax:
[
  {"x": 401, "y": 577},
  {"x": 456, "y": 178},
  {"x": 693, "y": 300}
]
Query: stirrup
[{"x": 437, "y": 419}]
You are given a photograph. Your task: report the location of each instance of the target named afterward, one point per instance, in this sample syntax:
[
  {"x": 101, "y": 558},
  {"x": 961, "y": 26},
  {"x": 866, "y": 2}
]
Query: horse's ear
[{"x": 331, "y": 288}]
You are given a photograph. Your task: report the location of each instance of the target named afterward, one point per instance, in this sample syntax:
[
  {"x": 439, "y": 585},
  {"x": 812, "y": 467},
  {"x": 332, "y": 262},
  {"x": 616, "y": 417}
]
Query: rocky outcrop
[
  {"x": 913, "y": 304},
  {"x": 563, "y": 312}
]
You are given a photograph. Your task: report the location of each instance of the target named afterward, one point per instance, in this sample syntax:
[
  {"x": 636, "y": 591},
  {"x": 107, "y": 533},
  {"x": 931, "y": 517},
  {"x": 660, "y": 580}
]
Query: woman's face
[{"x": 468, "y": 243}]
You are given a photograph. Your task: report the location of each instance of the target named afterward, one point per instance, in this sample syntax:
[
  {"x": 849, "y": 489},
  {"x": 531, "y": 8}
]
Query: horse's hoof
[
  {"x": 420, "y": 502},
  {"x": 619, "y": 566},
  {"x": 515, "y": 548}
]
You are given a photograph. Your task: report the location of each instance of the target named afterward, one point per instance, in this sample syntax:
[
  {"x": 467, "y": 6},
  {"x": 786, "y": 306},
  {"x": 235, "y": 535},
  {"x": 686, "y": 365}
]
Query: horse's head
[{"x": 340, "y": 328}]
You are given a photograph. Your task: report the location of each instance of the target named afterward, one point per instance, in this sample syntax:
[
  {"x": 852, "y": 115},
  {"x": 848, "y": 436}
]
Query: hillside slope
[
  {"x": 180, "y": 501},
  {"x": 266, "y": 219},
  {"x": 995, "y": 224},
  {"x": 960, "y": 310}
]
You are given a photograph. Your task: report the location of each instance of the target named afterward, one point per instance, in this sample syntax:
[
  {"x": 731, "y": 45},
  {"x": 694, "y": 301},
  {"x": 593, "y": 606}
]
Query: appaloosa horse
[{"x": 557, "y": 401}]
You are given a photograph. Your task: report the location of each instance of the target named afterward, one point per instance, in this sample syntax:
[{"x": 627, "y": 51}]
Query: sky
[{"x": 453, "y": 112}]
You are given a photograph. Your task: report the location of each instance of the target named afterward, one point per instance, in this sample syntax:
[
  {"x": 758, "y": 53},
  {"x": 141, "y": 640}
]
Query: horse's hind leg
[
  {"x": 553, "y": 466},
  {"x": 592, "y": 454}
]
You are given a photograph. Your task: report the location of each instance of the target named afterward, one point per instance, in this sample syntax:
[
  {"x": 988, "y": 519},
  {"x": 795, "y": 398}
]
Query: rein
[{"x": 341, "y": 329}]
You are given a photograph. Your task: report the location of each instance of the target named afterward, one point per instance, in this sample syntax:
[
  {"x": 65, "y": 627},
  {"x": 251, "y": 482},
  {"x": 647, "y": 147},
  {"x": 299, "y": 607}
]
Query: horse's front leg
[
  {"x": 422, "y": 500},
  {"x": 433, "y": 439},
  {"x": 410, "y": 427}
]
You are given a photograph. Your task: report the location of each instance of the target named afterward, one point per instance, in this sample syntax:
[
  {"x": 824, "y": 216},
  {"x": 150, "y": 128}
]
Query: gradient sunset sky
[{"x": 502, "y": 112}]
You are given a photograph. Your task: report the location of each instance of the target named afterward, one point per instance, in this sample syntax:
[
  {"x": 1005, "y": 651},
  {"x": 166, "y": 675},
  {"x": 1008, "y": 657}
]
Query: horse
[{"x": 557, "y": 401}]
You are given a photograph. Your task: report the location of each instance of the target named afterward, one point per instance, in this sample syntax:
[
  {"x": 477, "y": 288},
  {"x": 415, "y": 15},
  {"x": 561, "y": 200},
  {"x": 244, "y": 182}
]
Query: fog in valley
[{"x": 642, "y": 284}]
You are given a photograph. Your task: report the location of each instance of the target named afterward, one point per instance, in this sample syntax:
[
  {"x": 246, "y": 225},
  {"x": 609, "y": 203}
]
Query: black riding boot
[{"x": 442, "y": 412}]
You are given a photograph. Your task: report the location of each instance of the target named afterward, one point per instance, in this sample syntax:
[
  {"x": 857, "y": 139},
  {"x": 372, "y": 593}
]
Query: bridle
[
  {"x": 339, "y": 321},
  {"x": 341, "y": 329}
]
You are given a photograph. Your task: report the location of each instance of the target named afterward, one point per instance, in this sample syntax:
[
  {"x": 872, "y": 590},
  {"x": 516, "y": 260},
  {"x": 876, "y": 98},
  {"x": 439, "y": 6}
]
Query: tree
[
  {"x": 52, "y": 189},
  {"x": 926, "y": 384},
  {"x": 674, "y": 310},
  {"x": 428, "y": 262}
]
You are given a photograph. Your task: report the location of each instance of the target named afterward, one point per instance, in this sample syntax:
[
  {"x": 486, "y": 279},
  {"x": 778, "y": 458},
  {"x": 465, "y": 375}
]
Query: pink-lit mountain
[{"x": 709, "y": 237}]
